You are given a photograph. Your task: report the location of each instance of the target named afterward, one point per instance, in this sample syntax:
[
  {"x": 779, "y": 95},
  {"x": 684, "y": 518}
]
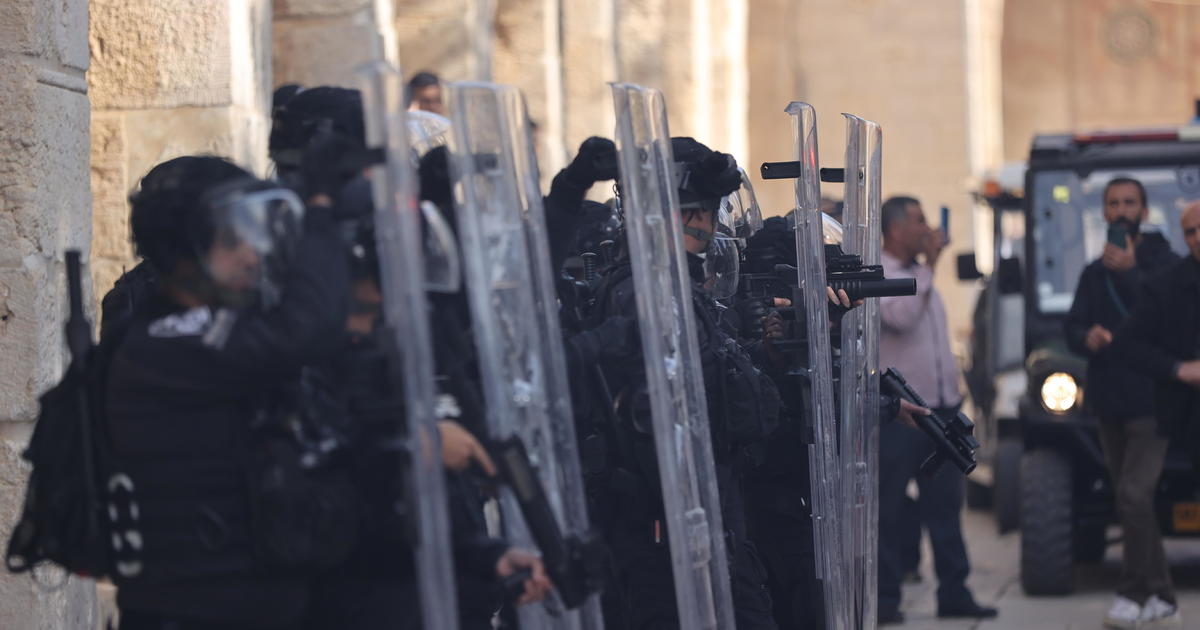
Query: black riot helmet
[
  {"x": 216, "y": 232},
  {"x": 309, "y": 115},
  {"x": 703, "y": 176},
  {"x": 165, "y": 196}
]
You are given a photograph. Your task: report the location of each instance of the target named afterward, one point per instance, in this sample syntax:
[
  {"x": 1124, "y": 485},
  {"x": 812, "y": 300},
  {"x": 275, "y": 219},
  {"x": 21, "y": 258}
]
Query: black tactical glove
[{"x": 595, "y": 162}]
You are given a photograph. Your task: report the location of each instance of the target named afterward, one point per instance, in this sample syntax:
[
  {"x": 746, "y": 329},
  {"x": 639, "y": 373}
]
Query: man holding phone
[{"x": 1123, "y": 399}]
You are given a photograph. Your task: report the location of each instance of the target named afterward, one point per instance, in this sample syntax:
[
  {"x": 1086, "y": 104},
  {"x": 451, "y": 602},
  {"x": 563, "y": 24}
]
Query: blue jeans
[{"x": 901, "y": 452}]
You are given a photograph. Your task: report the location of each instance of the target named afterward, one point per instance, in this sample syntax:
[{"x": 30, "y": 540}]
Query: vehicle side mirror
[
  {"x": 967, "y": 269},
  {"x": 1008, "y": 276}
]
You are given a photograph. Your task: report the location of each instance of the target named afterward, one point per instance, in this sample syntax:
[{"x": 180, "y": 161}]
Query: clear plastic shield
[
  {"x": 742, "y": 207},
  {"x": 872, "y": 254},
  {"x": 514, "y": 312},
  {"x": 824, "y": 472},
  {"x": 859, "y": 376},
  {"x": 669, "y": 346},
  {"x": 398, "y": 237}
]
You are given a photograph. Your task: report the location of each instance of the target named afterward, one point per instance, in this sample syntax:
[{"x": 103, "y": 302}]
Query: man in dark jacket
[
  {"x": 1122, "y": 398},
  {"x": 1162, "y": 340}
]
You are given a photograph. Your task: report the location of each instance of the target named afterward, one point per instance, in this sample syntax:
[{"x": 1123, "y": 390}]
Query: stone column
[
  {"x": 589, "y": 49},
  {"x": 776, "y": 78},
  {"x": 44, "y": 209},
  {"x": 527, "y": 53},
  {"x": 171, "y": 78},
  {"x": 695, "y": 52}
]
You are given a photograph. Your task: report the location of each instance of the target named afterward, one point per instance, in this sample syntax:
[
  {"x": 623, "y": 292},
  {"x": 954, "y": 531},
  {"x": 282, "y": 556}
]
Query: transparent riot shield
[
  {"x": 515, "y": 317},
  {"x": 669, "y": 347},
  {"x": 859, "y": 375},
  {"x": 823, "y": 460},
  {"x": 398, "y": 238}
]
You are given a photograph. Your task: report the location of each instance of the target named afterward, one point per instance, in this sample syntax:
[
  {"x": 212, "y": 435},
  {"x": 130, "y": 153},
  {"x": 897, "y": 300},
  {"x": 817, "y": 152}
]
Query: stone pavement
[{"x": 995, "y": 578}]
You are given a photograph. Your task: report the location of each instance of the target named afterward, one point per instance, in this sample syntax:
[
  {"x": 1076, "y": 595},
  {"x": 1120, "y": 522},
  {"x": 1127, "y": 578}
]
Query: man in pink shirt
[{"x": 915, "y": 340}]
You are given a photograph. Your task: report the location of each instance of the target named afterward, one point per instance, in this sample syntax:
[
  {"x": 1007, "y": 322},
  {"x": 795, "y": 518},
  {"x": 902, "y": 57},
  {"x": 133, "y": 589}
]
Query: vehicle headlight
[{"x": 1060, "y": 392}]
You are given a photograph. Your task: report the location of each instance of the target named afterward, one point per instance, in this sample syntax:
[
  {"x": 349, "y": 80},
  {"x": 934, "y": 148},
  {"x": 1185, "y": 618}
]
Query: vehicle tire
[
  {"x": 1006, "y": 484},
  {"x": 1047, "y": 550},
  {"x": 1091, "y": 543}
]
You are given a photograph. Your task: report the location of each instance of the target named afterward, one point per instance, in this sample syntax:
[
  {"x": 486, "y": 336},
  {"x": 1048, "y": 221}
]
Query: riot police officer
[
  {"x": 742, "y": 404},
  {"x": 250, "y": 285}
]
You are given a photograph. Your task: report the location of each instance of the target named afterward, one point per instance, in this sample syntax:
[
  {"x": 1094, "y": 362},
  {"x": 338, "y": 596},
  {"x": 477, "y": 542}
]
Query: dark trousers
[
  {"x": 781, "y": 529},
  {"x": 1135, "y": 452},
  {"x": 645, "y": 583},
  {"x": 901, "y": 452}
]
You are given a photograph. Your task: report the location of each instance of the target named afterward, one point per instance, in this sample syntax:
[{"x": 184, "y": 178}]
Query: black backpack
[{"x": 65, "y": 516}]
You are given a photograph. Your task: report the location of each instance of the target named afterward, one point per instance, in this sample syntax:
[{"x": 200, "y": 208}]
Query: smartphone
[
  {"x": 1117, "y": 235},
  {"x": 946, "y": 222}
]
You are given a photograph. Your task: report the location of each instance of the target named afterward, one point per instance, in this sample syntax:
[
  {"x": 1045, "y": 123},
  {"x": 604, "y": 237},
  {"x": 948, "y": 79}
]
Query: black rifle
[
  {"x": 953, "y": 438},
  {"x": 847, "y": 272},
  {"x": 575, "y": 564}
]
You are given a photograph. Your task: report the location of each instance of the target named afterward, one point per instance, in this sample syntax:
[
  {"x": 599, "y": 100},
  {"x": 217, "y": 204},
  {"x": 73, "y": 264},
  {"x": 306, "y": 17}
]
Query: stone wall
[
  {"x": 319, "y": 42},
  {"x": 170, "y": 78},
  {"x": 44, "y": 210},
  {"x": 1077, "y": 66}
]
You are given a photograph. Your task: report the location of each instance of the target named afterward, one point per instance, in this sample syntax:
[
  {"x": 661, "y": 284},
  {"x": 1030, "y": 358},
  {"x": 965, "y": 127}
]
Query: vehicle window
[{"x": 1069, "y": 229}]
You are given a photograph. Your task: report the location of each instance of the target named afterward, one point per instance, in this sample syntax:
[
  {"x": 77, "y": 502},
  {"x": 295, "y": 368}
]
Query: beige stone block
[
  {"x": 310, "y": 8},
  {"x": 160, "y": 53},
  {"x": 322, "y": 51},
  {"x": 110, "y": 188},
  {"x": 434, "y": 38},
  {"x": 154, "y": 136},
  {"x": 420, "y": 10},
  {"x": 23, "y": 603}
]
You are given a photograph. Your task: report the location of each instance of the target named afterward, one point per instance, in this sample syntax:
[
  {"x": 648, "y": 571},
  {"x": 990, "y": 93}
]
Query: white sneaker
[
  {"x": 1158, "y": 613},
  {"x": 1124, "y": 614}
]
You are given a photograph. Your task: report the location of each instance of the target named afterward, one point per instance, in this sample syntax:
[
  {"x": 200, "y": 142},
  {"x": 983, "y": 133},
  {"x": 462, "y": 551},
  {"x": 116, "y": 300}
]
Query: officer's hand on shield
[
  {"x": 460, "y": 449},
  {"x": 595, "y": 162},
  {"x": 537, "y": 585}
]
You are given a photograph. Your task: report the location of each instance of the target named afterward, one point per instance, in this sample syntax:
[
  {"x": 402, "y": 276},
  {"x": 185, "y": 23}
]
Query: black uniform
[
  {"x": 627, "y": 500},
  {"x": 183, "y": 387}
]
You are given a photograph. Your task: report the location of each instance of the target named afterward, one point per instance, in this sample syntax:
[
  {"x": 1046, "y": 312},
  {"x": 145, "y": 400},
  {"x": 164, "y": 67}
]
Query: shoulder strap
[{"x": 1116, "y": 297}]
